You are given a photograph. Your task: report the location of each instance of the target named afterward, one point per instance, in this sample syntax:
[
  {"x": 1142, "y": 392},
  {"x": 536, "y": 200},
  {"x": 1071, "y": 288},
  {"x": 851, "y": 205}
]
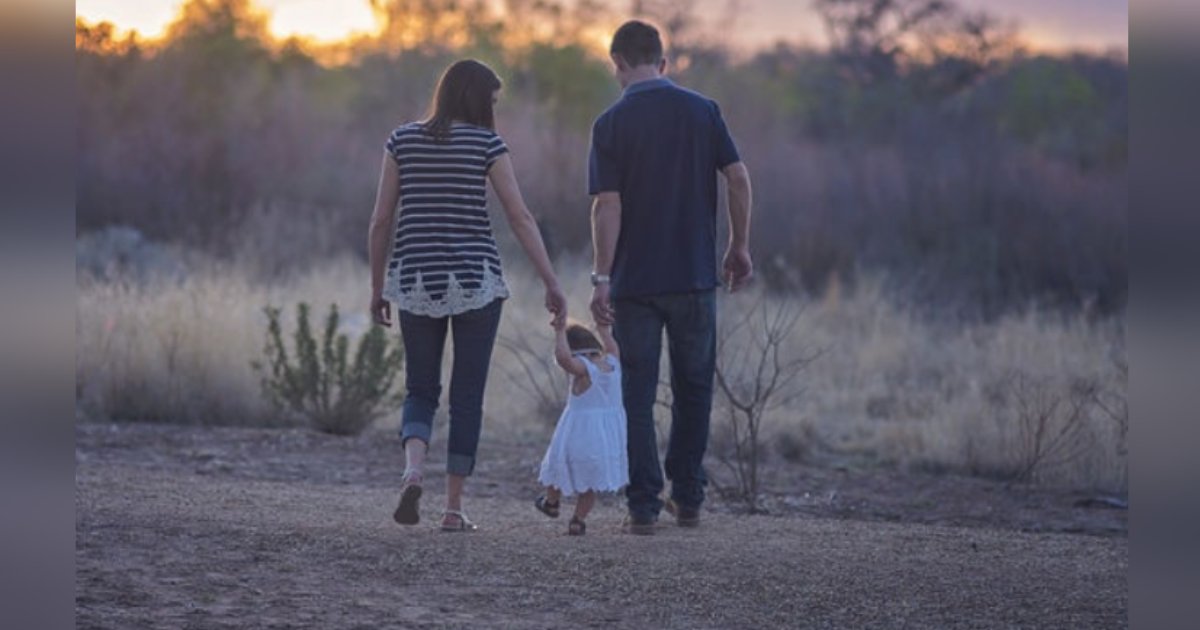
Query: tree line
[{"x": 924, "y": 143}]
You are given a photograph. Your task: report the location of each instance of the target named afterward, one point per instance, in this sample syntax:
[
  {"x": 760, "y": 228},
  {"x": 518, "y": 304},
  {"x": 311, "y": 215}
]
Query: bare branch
[
  {"x": 750, "y": 387},
  {"x": 535, "y": 376}
]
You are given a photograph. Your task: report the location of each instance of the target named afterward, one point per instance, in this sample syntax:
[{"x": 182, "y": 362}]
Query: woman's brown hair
[{"x": 463, "y": 94}]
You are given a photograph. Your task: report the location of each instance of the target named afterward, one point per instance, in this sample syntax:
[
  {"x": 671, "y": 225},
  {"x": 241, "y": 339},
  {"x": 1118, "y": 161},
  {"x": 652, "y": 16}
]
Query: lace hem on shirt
[{"x": 456, "y": 299}]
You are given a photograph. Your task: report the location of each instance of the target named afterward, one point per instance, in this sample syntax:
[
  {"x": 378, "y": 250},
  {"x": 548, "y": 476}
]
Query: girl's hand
[
  {"x": 556, "y": 303},
  {"x": 381, "y": 311}
]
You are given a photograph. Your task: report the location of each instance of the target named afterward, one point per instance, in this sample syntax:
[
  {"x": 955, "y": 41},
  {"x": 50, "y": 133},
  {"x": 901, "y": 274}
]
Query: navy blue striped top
[{"x": 444, "y": 259}]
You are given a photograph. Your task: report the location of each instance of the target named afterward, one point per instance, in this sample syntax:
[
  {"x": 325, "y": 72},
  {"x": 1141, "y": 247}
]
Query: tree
[
  {"x": 870, "y": 36},
  {"x": 755, "y": 376}
]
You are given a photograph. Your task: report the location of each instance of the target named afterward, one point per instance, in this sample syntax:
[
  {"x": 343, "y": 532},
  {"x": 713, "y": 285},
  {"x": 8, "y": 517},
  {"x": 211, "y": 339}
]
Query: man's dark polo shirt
[{"x": 660, "y": 146}]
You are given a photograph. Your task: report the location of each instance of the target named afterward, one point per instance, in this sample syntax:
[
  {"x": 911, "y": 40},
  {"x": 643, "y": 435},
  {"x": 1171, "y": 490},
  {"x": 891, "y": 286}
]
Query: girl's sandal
[
  {"x": 576, "y": 527},
  {"x": 460, "y": 520},
  {"x": 545, "y": 506},
  {"x": 408, "y": 512}
]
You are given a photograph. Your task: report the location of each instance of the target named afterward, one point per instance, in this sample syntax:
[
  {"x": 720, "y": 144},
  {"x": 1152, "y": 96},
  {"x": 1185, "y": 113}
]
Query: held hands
[
  {"x": 602, "y": 310},
  {"x": 737, "y": 269},
  {"x": 556, "y": 304},
  {"x": 559, "y": 324}
]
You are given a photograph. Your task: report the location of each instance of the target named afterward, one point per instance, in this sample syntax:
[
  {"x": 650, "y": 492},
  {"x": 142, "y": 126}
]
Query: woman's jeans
[
  {"x": 690, "y": 320},
  {"x": 424, "y": 338}
]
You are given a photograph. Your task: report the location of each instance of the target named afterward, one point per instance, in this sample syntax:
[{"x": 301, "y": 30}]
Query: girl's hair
[
  {"x": 580, "y": 338},
  {"x": 464, "y": 93}
]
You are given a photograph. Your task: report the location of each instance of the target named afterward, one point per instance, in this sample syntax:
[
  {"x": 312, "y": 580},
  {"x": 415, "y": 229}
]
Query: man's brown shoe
[
  {"x": 638, "y": 526},
  {"x": 687, "y": 516},
  {"x": 684, "y": 516}
]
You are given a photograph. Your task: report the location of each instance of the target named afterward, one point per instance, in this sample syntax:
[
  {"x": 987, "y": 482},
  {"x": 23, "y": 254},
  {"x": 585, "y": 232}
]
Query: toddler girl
[{"x": 587, "y": 453}]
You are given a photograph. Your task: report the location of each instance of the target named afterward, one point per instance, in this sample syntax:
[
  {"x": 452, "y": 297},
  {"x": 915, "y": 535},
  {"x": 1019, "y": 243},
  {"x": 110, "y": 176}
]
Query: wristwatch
[{"x": 599, "y": 278}]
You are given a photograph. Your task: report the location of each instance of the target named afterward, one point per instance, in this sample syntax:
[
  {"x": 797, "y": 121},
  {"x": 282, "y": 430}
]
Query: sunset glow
[
  {"x": 1089, "y": 24},
  {"x": 316, "y": 19}
]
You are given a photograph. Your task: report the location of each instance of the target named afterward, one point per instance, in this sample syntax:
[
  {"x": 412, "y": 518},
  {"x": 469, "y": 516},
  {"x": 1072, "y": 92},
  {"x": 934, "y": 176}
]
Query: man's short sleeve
[
  {"x": 495, "y": 149},
  {"x": 724, "y": 148},
  {"x": 603, "y": 174}
]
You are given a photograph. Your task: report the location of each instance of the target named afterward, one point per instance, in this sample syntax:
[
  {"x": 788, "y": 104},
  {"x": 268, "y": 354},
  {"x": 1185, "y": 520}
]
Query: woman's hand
[
  {"x": 556, "y": 303},
  {"x": 380, "y": 236},
  {"x": 381, "y": 311}
]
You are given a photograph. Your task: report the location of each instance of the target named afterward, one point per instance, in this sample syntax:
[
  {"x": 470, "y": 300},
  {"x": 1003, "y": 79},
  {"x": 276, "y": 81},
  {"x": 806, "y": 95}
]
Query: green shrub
[{"x": 320, "y": 386}]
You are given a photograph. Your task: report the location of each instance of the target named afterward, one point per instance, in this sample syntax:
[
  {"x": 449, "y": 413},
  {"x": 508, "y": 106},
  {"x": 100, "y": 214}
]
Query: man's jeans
[
  {"x": 424, "y": 338},
  {"x": 691, "y": 323}
]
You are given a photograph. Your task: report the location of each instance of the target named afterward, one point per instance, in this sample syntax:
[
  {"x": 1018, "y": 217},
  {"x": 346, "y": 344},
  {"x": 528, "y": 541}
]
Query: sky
[{"x": 1049, "y": 24}]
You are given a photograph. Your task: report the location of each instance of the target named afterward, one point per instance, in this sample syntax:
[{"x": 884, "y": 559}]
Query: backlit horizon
[{"x": 1095, "y": 25}]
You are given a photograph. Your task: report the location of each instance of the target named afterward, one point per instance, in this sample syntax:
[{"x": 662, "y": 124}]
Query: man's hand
[
  {"x": 737, "y": 268},
  {"x": 602, "y": 310},
  {"x": 556, "y": 303},
  {"x": 381, "y": 311}
]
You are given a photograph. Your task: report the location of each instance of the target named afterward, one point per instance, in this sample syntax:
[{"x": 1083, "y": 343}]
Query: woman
[{"x": 437, "y": 263}]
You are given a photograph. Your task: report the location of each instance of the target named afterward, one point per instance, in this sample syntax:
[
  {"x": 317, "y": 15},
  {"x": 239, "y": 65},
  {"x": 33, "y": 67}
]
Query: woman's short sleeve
[
  {"x": 392, "y": 146},
  {"x": 495, "y": 149}
]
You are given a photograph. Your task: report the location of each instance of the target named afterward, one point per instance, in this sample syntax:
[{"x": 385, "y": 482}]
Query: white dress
[{"x": 587, "y": 451}]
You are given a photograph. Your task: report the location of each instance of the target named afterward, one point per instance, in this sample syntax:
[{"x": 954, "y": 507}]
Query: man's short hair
[{"x": 637, "y": 43}]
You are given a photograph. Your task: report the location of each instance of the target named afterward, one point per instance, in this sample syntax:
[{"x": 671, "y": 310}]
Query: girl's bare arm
[
  {"x": 606, "y": 338},
  {"x": 562, "y": 354}
]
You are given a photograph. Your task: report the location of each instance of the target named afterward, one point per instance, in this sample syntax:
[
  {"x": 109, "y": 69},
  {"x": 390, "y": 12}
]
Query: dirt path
[{"x": 181, "y": 528}]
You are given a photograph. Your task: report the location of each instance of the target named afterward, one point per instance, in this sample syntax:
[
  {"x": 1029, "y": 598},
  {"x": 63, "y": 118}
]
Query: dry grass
[
  {"x": 888, "y": 385},
  {"x": 180, "y": 351},
  {"x": 934, "y": 395}
]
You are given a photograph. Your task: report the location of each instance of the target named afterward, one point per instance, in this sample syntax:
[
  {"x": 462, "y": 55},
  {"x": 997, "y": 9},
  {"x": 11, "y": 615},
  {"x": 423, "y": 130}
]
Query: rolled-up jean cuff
[
  {"x": 459, "y": 464},
  {"x": 415, "y": 430}
]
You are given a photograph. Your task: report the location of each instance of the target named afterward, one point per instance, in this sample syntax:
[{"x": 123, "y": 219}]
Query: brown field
[{"x": 181, "y": 527}]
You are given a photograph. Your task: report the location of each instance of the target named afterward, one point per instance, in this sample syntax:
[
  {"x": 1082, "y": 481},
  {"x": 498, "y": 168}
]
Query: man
[{"x": 652, "y": 172}]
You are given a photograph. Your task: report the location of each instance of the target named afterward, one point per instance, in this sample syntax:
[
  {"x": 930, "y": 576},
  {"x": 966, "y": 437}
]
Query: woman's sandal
[
  {"x": 576, "y": 527},
  {"x": 464, "y": 524},
  {"x": 408, "y": 512},
  {"x": 545, "y": 506}
]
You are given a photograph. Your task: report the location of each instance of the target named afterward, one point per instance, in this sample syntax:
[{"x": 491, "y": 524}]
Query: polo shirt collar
[{"x": 648, "y": 84}]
